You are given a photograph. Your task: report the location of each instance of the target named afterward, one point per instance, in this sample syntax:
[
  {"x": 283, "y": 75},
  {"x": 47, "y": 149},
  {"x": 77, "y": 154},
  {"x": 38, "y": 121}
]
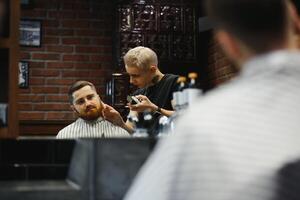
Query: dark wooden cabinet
[
  {"x": 167, "y": 27},
  {"x": 9, "y": 57}
]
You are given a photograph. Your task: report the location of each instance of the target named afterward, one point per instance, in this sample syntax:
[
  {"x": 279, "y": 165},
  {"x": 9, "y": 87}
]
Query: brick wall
[
  {"x": 76, "y": 44},
  {"x": 220, "y": 69}
]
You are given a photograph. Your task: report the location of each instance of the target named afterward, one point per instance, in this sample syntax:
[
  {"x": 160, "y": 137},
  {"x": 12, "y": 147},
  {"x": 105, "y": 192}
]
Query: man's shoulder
[
  {"x": 170, "y": 77},
  {"x": 118, "y": 131},
  {"x": 65, "y": 132}
]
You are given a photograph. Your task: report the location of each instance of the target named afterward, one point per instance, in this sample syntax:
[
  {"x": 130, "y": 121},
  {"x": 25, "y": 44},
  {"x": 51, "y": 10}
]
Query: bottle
[
  {"x": 178, "y": 96},
  {"x": 139, "y": 130},
  {"x": 163, "y": 126},
  {"x": 144, "y": 124},
  {"x": 133, "y": 119},
  {"x": 192, "y": 92}
]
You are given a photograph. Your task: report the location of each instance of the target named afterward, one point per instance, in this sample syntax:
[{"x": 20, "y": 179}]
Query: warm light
[{"x": 117, "y": 74}]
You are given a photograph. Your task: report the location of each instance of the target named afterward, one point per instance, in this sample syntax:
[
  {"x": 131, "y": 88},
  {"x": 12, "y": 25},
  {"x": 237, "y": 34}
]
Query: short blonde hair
[{"x": 141, "y": 57}]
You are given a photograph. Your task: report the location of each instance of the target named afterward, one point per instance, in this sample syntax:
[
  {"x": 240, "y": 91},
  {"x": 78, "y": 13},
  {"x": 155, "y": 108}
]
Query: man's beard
[{"x": 91, "y": 113}]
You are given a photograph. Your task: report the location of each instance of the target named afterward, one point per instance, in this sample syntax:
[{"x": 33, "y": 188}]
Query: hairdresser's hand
[
  {"x": 112, "y": 115},
  {"x": 145, "y": 104}
]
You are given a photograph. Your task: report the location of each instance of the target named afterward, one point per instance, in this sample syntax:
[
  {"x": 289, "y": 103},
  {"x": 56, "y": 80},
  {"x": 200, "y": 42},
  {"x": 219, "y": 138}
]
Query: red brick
[
  {"x": 52, "y": 107},
  {"x": 24, "y": 55},
  {"x": 88, "y": 32},
  {"x": 42, "y": 4},
  {"x": 44, "y": 72},
  {"x": 75, "y": 41},
  {"x": 98, "y": 81},
  {"x": 59, "y": 32},
  {"x": 62, "y": 14},
  {"x": 101, "y": 92},
  {"x": 50, "y": 40},
  {"x": 31, "y": 98},
  {"x": 97, "y": 73},
  {"x": 60, "y": 116},
  {"x": 63, "y": 90},
  {"x": 23, "y": 90},
  {"x": 108, "y": 66},
  {"x": 50, "y": 23},
  {"x": 60, "y": 81},
  {"x": 88, "y": 65},
  {"x": 60, "y": 49},
  {"x": 95, "y": 58},
  {"x": 44, "y": 90},
  {"x": 76, "y": 58},
  {"x": 76, "y": 24},
  {"x": 62, "y": 65},
  {"x": 34, "y": 13},
  {"x": 107, "y": 49},
  {"x": 75, "y": 5},
  {"x": 25, "y": 106},
  {"x": 33, "y": 64},
  {"x": 221, "y": 63},
  {"x": 78, "y": 6},
  {"x": 102, "y": 41},
  {"x": 45, "y": 56},
  {"x": 31, "y": 115},
  {"x": 30, "y": 49},
  {"x": 57, "y": 98},
  {"x": 88, "y": 49},
  {"x": 36, "y": 81},
  {"x": 77, "y": 74}
]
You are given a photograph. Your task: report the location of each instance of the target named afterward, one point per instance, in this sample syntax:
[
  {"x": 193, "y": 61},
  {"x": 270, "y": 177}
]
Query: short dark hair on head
[
  {"x": 257, "y": 23},
  {"x": 76, "y": 86}
]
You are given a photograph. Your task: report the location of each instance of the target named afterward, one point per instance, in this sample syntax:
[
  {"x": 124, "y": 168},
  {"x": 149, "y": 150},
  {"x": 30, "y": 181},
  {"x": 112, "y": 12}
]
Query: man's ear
[
  {"x": 229, "y": 44},
  {"x": 153, "y": 68},
  {"x": 73, "y": 108}
]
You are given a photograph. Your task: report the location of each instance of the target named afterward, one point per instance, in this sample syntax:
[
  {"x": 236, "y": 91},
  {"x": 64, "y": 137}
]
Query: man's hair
[
  {"x": 141, "y": 57},
  {"x": 76, "y": 86},
  {"x": 259, "y": 24}
]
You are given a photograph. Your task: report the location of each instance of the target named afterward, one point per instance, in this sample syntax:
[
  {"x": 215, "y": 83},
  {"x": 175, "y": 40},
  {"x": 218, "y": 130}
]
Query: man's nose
[
  {"x": 87, "y": 102},
  {"x": 131, "y": 80}
]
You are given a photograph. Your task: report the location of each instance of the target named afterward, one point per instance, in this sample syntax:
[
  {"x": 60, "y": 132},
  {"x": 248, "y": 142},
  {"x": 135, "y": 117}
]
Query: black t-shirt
[{"x": 161, "y": 95}]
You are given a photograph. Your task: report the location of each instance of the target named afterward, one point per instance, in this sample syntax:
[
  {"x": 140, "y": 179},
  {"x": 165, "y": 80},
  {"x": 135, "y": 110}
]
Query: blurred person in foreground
[
  {"x": 236, "y": 138},
  {"x": 86, "y": 103},
  {"x": 155, "y": 88}
]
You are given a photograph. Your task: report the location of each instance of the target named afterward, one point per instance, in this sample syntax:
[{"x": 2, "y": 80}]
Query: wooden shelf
[{"x": 10, "y": 68}]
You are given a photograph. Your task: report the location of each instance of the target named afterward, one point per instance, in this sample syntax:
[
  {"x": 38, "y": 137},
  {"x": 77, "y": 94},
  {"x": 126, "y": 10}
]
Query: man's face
[
  {"x": 140, "y": 77},
  {"x": 87, "y": 103}
]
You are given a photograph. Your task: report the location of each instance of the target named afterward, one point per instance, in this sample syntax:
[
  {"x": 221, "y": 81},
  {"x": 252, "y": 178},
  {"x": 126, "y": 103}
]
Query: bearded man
[{"x": 86, "y": 103}]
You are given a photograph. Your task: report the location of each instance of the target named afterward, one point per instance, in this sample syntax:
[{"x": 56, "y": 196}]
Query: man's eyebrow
[{"x": 77, "y": 100}]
